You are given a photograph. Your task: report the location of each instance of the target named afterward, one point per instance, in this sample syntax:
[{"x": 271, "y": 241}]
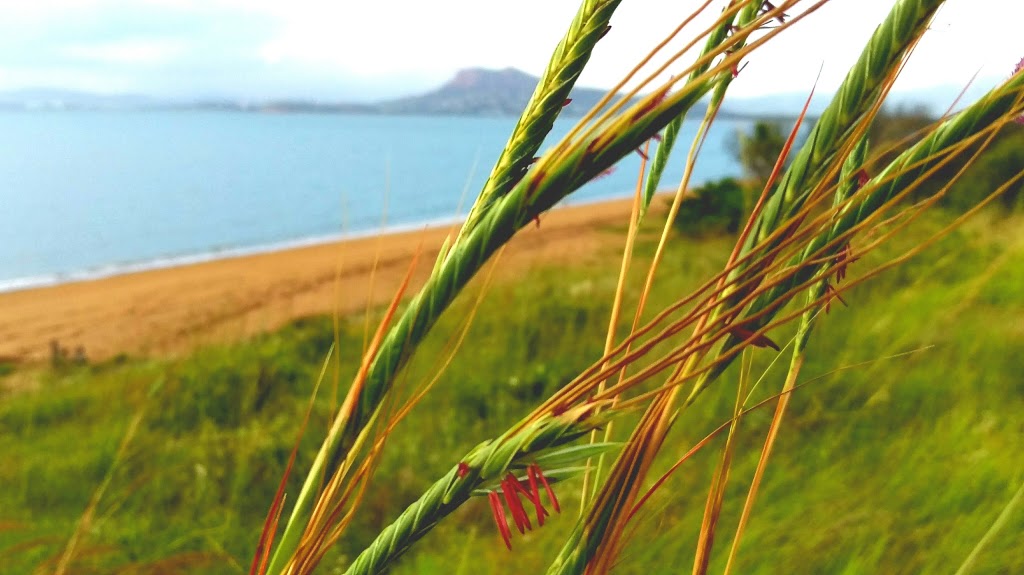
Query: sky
[{"x": 344, "y": 50}]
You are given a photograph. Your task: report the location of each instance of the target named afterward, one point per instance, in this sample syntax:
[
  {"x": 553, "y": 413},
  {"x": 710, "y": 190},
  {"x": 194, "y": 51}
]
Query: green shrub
[
  {"x": 759, "y": 150},
  {"x": 1003, "y": 160},
  {"x": 714, "y": 208}
]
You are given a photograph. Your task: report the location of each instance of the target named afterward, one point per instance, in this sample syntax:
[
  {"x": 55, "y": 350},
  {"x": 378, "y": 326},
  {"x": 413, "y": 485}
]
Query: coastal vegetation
[
  {"x": 900, "y": 454},
  {"x": 822, "y": 381}
]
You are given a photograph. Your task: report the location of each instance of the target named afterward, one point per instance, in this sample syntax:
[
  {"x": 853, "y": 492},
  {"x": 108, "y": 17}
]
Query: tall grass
[
  {"x": 897, "y": 464},
  {"x": 798, "y": 240},
  {"x": 815, "y": 221}
]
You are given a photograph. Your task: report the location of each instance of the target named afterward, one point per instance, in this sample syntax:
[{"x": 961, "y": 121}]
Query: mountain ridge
[
  {"x": 470, "y": 92},
  {"x": 486, "y": 92}
]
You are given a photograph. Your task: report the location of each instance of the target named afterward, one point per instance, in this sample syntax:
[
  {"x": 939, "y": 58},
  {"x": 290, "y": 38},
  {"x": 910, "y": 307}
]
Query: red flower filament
[
  {"x": 745, "y": 334},
  {"x": 511, "y": 490},
  {"x": 862, "y": 178},
  {"x": 843, "y": 259},
  {"x": 519, "y": 516},
  {"x": 832, "y": 294},
  {"x": 541, "y": 512},
  {"x": 499, "y": 518},
  {"x": 547, "y": 488}
]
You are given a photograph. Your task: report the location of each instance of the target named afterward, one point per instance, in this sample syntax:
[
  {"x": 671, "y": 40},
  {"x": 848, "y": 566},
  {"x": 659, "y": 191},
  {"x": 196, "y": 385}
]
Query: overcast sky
[{"x": 367, "y": 49}]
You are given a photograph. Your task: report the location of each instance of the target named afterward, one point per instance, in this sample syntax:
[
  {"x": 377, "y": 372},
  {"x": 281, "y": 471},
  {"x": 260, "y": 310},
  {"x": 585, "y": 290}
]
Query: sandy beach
[{"x": 176, "y": 309}]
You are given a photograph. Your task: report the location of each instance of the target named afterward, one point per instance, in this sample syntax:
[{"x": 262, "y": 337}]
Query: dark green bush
[
  {"x": 890, "y": 135},
  {"x": 714, "y": 208},
  {"x": 1003, "y": 160}
]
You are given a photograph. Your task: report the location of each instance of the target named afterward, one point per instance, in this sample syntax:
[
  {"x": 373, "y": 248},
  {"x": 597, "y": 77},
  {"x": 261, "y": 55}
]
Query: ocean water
[{"x": 89, "y": 194}]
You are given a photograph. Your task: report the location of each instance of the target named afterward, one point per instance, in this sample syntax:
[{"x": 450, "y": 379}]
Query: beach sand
[{"x": 174, "y": 310}]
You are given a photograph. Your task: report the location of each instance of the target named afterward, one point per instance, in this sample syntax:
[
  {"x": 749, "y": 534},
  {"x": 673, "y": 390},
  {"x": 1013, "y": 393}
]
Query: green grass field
[{"x": 895, "y": 465}]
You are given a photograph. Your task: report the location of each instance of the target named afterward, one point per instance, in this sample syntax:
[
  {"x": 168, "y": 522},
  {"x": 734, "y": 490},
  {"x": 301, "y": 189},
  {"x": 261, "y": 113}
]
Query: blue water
[{"x": 88, "y": 194}]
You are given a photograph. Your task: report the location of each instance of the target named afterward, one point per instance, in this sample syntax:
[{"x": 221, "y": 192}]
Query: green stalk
[
  {"x": 998, "y": 104},
  {"x": 902, "y": 172},
  {"x": 746, "y": 15},
  {"x": 997, "y": 525},
  {"x": 496, "y": 226},
  {"x": 548, "y": 99},
  {"x": 861, "y": 88},
  {"x": 484, "y": 465},
  {"x": 848, "y": 184},
  {"x": 568, "y": 60}
]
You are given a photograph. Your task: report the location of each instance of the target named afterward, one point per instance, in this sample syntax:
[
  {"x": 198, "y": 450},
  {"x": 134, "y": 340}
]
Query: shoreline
[
  {"x": 178, "y": 307},
  {"x": 169, "y": 262},
  {"x": 116, "y": 269}
]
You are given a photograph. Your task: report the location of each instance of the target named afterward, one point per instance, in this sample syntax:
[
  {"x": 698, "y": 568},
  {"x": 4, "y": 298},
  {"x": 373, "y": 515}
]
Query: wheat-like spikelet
[
  {"x": 484, "y": 465},
  {"x": 597, "y": 538},
  {"x": 849, "y": 179},
  {"x": 422, "y": 515},
  {"x": 494, "y": 228},
  {"x": 998, "y": 107},
  {"x": 746, "y": 15},
  {"x": 557, "y": 175},
  {"x": 751, "y": 291},
  {"x": 548, "y": 99},
  {"x": 861, "y": 88}
]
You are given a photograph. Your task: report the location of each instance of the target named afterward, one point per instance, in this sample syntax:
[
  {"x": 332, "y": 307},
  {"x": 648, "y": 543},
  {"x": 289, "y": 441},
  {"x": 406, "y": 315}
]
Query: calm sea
[{"x": 89, "y": 194}]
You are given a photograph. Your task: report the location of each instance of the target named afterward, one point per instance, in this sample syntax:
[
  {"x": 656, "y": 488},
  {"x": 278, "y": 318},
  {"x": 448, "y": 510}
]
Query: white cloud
[
  {"x": 432, "y": 39},
  {"x": 135, "y": 52},
  {"x": 959, "y": 43},
  {"x": 417, "y": 44},
  {"x": 387, "y": 38}
]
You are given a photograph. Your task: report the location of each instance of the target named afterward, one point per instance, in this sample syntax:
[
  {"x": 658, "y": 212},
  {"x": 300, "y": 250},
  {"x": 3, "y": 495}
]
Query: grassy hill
[{"x": 896, "y": 457}]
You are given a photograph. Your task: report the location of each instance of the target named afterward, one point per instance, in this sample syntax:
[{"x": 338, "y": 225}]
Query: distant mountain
[
  {"x": 471, "y": 92},
  {"x": 774, "y": 105},
  {"x": 934, "y": 101},
  {"x": 57, "y": 99},
  {"x": 938, "y": 99},
  {"x": 295, "y": 107},
  {"x": 475, "y": 91},
  {"x": 483, "y": 92}
]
